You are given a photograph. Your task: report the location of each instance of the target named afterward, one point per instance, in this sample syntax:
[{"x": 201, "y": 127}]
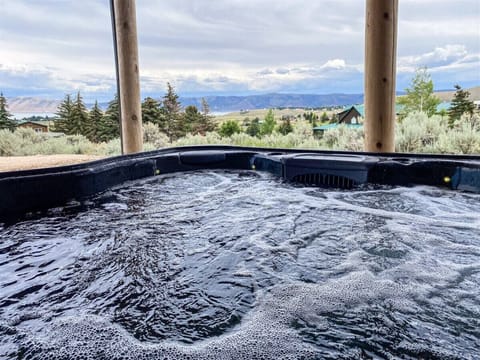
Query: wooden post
[
  {"x": 125, "y": 26},
  {"x": 380, "y": 73}
]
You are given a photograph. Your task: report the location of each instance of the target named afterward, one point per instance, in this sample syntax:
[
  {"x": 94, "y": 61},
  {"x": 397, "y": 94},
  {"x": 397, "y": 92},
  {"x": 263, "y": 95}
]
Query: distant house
[
  {"x": 349, "y": 118},
  {"x": 37, "y": 127}
]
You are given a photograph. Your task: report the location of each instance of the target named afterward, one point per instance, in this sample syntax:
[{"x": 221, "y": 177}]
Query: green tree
[
  {"x": 95, "y": 119},
  {"x": 286, "y": 127},
  {"x": 253, "y": 128},
  {"x": 419, "y": 96},
  {"x": 151, "y": 112},
  {"x": 192, "y": 118},
  {"x": 228, "y": 128},
  {"x": 268, "y": 124},
  {"x": 205, "y": 123},
  {"x": 109, "y": 128},
  {"x": 6, "y": 119},
  {"x": 461, "y": 104},
  {"x": 324, "y": 118},
  {"x": 174, "y": 121},
  {"x": 79, "y": 121},
  {"x": 64, "y": 115}
]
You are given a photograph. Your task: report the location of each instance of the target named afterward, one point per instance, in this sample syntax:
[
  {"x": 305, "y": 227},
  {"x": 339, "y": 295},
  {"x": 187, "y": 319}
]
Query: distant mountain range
[
  {"x": 448, "y": 95},
  {"x": 251, "y": 102},
  {"x": 216, "y": 103},
  {"x": 34, "y": 105}
]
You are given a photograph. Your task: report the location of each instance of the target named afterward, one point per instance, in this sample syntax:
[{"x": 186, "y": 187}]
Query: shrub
[
  {"x": 419, "y": 133},
  {"x": 343, "y": 138},
  {"x": 28, "y": 142},
  {"x": 30, "y": 136},
  {"x": 8, "y": 143},
  {"x": 153, "y": 137},
  {"x": 303, "y": 130},
  {"x": 208, "y": 138},
  {"x": 111, "y": 148},
  {"x": 465, "y": 138},
  {"x": 422, "y": 134},
  {"x": 229, "y": 128}
]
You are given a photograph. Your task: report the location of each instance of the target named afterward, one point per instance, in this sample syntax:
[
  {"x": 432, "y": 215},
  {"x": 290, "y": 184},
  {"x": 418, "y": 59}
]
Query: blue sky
[{"x": 52, "y": 47}]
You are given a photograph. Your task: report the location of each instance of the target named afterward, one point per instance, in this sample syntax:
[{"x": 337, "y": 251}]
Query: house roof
[
  {"x": 341, "y": 115},
  {"x": 32, "y": 122}
]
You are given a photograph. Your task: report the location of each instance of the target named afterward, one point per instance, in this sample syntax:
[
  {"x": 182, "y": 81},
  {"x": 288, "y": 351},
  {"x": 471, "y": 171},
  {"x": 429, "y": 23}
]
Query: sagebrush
[{"x": 416, "y": 133}]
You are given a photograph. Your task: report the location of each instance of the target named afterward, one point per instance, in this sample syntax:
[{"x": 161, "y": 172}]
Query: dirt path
[{"x": 12, "y": 163}]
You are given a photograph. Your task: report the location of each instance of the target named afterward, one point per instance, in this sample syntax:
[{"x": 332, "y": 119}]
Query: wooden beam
[
  {"x": 380, "y": 73},
  {"x": 125, "y": 25}
]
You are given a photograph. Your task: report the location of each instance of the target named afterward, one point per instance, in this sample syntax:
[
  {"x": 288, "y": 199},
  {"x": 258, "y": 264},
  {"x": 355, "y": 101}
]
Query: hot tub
[{"x": 309, "y": 258}]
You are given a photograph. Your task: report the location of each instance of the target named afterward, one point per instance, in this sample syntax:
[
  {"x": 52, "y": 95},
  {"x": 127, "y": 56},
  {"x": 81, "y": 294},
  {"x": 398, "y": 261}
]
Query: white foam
[
  {"x": 266, "y": 333},
  {"x": 273, "y": 239}
]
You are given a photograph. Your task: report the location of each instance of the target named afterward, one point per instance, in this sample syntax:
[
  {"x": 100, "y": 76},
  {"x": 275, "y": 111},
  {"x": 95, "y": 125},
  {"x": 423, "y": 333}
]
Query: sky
[{"x": 229, "y": 47}]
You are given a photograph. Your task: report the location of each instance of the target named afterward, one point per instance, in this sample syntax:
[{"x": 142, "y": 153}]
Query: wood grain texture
[
  {"x": 380, "y": 74},
  {"x": 129, "y": 77}
]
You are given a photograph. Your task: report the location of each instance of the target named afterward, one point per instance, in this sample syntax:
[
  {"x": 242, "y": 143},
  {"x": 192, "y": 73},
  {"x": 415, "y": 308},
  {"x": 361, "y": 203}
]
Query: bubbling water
[{"x": 234, "y": 265}]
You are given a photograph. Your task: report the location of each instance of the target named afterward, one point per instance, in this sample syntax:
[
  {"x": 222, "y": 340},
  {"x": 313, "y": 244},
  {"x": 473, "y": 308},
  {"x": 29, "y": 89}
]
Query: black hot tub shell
[{"x": 29, "y": 191}]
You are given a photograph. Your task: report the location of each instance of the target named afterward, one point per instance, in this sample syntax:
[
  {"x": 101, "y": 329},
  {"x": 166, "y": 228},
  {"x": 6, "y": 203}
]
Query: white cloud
[
  {"x": 229, "y": 46},
  {"x": 440, "y": 56},
  {"x": 335, "y": 64}
]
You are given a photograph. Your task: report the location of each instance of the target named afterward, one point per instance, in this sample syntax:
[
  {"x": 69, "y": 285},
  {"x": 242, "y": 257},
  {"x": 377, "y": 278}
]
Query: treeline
[{"x": 73, "y": 118}]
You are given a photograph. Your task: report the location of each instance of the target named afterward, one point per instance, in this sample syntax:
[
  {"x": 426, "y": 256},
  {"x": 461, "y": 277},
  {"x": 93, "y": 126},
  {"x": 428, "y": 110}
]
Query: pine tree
[
  {"x": 64, "y": 116},
  {"x": 6, "y": 119},
  {"x": 151, "y": 112},
  {"x": 95, "y": 119},
  {"x": 79, "y": 122},
  {"x": 205, "y": 123},
  {"x": 174, "y": 121},
  {"x": 253, "y": 128},
  {"x": 192, "y": 119},
  {"x": 109, "y": 128},
  {"x": 460, "y": 105},
  {"x": 420, "y": 96}
]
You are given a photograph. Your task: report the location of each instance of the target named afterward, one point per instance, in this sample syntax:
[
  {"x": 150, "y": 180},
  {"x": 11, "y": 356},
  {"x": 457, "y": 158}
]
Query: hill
[
  {"x": 448, "y": 95},
  {"x": 34, "y": 105},
  {"x": 217, "y": 103},
  {"x": 266, "y": 101}
]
